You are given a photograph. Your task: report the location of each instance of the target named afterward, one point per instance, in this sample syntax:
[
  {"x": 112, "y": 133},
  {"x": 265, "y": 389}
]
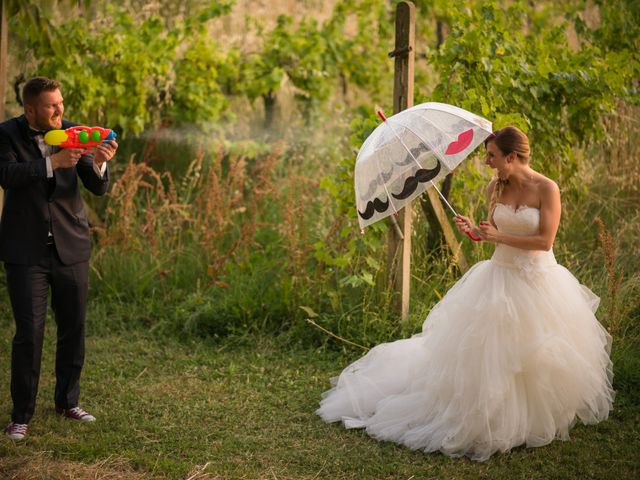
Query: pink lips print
[{"x": 463, "y": 141}]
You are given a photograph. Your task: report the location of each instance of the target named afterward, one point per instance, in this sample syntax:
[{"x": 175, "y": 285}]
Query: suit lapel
[{"x": 26, "y": 137}]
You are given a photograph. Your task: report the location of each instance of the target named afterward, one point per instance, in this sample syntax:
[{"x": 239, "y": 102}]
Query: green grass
[{"x": 244, "y": 409}]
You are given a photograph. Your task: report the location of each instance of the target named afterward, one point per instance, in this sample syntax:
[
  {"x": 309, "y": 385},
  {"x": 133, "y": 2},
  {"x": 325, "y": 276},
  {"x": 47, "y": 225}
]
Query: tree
[{"x": 128, "y": 72}]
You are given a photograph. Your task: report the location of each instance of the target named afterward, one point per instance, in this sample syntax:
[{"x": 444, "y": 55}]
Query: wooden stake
[
  {"x": 434, "y": 212},
  {"x": 399, "y": 272},
  {"x": 440, "y": 214},
  {"x": 438, "y": 220}
]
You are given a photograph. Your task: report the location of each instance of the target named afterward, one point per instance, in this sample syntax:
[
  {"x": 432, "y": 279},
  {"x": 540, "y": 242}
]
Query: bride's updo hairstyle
[{"x": 508, "y": 140}]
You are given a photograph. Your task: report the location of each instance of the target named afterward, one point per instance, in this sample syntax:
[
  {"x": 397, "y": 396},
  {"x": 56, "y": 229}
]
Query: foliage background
[{"x": 232, "y": 199}]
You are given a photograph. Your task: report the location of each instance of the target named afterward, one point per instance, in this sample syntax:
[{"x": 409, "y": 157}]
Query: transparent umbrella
[{"x": 409, "y": 152}]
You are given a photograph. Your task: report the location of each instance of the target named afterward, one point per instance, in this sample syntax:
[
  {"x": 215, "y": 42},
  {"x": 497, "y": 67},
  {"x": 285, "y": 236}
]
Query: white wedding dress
[{"x": 511, "y": 355}]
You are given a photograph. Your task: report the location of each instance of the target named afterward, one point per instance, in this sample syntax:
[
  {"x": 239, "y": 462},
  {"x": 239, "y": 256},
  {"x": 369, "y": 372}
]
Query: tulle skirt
[{"x": 507, "y": 357}]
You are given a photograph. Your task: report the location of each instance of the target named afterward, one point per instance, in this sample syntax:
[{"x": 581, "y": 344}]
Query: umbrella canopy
[{"x": 408, "y": 152}]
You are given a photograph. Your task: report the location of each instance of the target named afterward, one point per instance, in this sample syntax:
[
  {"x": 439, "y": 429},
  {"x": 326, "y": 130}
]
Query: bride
[{"x": 512, "y": 354}]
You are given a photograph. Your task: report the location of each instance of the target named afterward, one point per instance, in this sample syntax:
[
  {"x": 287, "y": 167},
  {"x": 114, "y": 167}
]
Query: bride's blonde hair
[{"x": 508, "y": 140}]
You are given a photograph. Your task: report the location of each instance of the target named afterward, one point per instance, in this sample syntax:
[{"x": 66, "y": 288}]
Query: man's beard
[{"x": 50, "y": 123}]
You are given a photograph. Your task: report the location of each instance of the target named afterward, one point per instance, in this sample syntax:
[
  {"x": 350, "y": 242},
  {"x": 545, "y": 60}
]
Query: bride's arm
[{"x": 550, "y": 209}]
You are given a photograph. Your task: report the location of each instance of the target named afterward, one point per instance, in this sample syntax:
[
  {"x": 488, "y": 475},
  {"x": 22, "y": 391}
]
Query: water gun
[{"x": 79, "y": 137}]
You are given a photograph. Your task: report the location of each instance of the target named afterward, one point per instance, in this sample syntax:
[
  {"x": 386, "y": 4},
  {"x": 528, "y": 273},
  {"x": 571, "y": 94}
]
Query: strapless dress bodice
[{"x": 524, "y": 220}]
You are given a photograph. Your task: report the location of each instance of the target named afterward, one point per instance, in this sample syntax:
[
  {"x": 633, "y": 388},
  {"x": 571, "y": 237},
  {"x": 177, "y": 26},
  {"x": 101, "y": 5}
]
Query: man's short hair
[{"x": 35, "y": 86}]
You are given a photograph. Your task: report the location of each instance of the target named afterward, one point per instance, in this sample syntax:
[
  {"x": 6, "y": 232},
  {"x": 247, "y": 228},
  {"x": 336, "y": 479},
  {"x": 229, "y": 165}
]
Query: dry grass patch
[{"x": 41, "y": 466}]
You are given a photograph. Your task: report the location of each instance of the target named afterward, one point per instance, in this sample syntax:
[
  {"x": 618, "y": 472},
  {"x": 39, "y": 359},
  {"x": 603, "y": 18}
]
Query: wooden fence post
[
  {"x": 399, "y": 272},
  {"x": 399, "y": 247}
]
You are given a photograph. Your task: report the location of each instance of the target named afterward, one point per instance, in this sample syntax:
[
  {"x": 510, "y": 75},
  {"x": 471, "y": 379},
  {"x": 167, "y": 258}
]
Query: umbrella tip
[{"x": 380, "y": 113}]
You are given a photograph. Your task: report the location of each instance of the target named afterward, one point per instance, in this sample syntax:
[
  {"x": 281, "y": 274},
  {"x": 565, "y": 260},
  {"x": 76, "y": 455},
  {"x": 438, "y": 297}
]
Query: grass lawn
[{"x": 244, "y": 409}]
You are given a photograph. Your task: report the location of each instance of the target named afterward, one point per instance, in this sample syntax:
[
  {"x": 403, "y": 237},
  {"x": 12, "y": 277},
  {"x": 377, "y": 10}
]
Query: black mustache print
[
  {"x": 385, "y": 176},
  {"x": 415, "y": 152},
  {"x": 376, "y": 206},
  {"x": 423, "y": 175},
  {"x": 373, "y": 185}
]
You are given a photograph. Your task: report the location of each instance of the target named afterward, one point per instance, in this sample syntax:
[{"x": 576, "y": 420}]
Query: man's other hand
[{"x": 66, "y": 158}]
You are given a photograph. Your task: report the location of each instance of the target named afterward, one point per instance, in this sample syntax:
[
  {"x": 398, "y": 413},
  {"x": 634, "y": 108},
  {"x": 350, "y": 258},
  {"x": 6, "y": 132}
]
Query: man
[{"x": 44, "y": 242}]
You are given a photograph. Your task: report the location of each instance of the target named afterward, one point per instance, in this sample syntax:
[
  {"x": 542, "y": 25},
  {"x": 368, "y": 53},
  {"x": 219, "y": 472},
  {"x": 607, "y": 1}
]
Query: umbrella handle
[{"x": 472, "y": 237}]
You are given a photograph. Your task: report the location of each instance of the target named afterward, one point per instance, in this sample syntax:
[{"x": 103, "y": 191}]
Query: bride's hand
[
  {"x": 464, "y": 224},
  {"x": 488, "y": 232}
]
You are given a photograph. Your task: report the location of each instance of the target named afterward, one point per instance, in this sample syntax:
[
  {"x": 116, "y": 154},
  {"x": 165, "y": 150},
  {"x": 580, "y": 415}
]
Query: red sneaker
[
  {"x": 16, "y": 431},
  {"x": 76, "y": 413}
]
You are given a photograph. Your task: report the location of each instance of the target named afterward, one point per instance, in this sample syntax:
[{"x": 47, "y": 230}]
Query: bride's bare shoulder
[
  {"x": 547, "y": 188},
  {"x": 547, "y": 184}
]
